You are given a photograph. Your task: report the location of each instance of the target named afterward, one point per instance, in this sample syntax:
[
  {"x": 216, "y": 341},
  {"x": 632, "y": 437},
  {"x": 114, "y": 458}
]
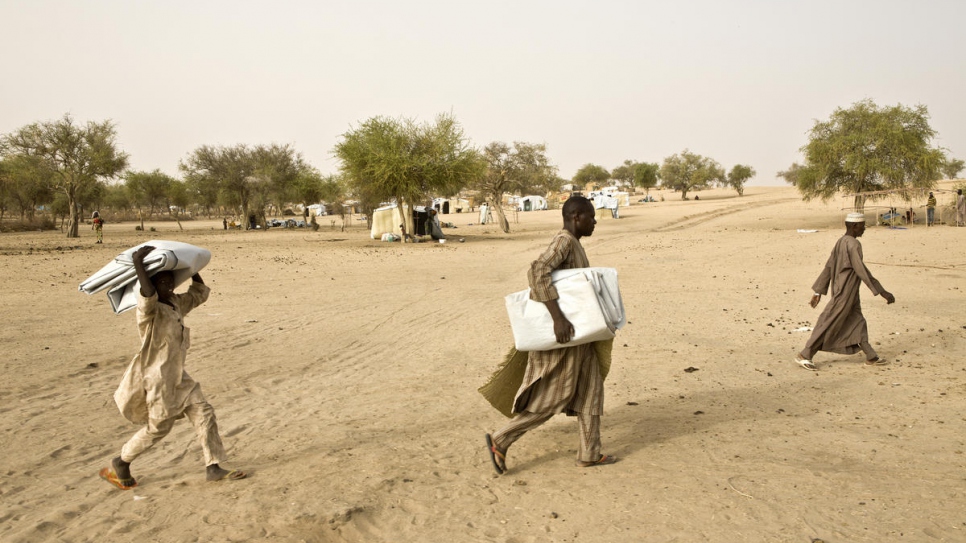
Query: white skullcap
[{"x": 855, "y": 217}]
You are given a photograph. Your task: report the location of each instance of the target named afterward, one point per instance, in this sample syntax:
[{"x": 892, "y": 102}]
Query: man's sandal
[
  {"x": 876, "y": 362},
  {"x": 602, "y": 461},
  {"x": 497, "y": 456},
  {"x": 124, "y": 484},
  {"x": 807, "y": 364}
]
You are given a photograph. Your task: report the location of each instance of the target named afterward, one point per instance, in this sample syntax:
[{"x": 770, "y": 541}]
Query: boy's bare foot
[{"x": 216, "y": 473}]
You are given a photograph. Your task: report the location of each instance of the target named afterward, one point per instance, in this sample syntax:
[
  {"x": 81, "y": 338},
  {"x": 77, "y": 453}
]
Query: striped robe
[{"x": 567, "y": 379}]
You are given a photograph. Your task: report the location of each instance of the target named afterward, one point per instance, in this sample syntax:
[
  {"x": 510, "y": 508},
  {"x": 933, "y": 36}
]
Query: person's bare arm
[
  {"x": 147, "y": 287},
  {"x": 562, "y": 328}
]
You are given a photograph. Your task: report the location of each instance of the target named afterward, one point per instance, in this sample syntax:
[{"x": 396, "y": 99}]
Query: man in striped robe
[{"x": 560, "y": 380}]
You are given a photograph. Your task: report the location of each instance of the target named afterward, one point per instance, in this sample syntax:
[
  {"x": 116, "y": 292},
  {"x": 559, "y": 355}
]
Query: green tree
[
  {"x": 591, "y": 173},
  {"x": 117, "y": 197},
  {"x": 737, "y": 177},
  {"x": 521, "y": 168},
  {"x": 28, "y": 180},
  {"x": 689, "y": 171},
  {"x": 791, "y": 175},
  {"x": 276, "y": 167},
  {"x": 401, "y": 161},
  {"x": 78, "y": 156},
  {"x": 952, "y": 167},
  {"x": 646, "y": 175},
  {"x": 178, "y": 197},
  {"x": 148, "y": 190},
  {"x": 232, "y": 169},
  {"x": 624, "y": 174},
  {"x": 869, "y": 148}
]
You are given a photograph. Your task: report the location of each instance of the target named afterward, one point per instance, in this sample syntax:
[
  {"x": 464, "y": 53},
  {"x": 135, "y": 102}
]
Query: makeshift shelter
[
  {"x": 531, "y": 203},
  {"x": 387, "y": 220},
  {"x": 905, "y": 211},
  {"x": 445, "y": 206}
]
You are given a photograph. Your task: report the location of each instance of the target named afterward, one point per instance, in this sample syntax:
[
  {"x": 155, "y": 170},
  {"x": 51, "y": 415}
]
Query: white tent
[
  {"x": 386, "y": 220},
  {"x": 531, "y": 203}
]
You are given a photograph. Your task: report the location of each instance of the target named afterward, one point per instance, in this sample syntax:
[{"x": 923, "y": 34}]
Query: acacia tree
[
  {"x": 78, "y": 156},
  {"x": 624, "y": 174},
  {"x": 148, "y": 189},
  {"x": 869, "y": 148},
  {"x": 591, "y": 173},
  {"x": 688, "y": 171},
  {"x": 791, "y": 174},
  {"x": 515, "y": 169},
  {"x": 952, "y": 167},
  {"x": 276, "y": 168},
  {"x": 646, "y": 175},
  {"x": 737, "y": 177},
  {"x": 231, "y": 169},
  {"x": 27, "y": 181},
  {"x": 401, "y": 161}
]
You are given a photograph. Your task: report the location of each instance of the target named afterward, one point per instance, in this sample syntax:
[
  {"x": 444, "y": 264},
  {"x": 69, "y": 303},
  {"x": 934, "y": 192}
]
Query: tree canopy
[
  {"x": 75, "y": 156},
  {"x": 737, "y": 177},
  {"x": 952, "y": 167},
  {"x": 521, "y": 168},
  {"x": 591, "y": 173},
  {"x": 399, "y": 160},
  {"x": 869, "y": 148},
  {"x": 688, "y": 171}
]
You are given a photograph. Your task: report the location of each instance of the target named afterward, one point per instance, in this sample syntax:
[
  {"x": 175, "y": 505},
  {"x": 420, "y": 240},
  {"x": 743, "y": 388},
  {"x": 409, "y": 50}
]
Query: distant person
[
  {"x": 841, "y": 328},
  {"x": 930, "y": 210},
  {"x": 224, "y": 223},
  {"x": 960, "y": 208},
  {"x": 155, "y": 389},
  {"x": 97, "y": 225},
  {"x": 560, "y": 380}
]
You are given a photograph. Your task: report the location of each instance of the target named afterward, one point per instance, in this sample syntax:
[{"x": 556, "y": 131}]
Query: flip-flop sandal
[
  {"x": 124, "y": 484},
  {"x": 602, "y": 461},
  {"x": 233, "y": 475},
  {"x": 876, "y": 362},
  {"x": 497, "y": 457},
  {"x": 807, "y": 364}
]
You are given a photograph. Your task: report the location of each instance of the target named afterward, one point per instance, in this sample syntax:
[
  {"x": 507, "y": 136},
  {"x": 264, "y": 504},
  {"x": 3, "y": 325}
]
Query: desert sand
[{"x": 343, "y": 372}]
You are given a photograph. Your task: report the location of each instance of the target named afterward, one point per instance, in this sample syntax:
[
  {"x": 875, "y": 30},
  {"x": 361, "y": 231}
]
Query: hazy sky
[{"x": 598, "y": 82}]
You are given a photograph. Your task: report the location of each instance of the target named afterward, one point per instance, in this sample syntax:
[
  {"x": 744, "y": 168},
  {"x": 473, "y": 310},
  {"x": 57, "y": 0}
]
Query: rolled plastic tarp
[
  {"x": 589, "y": 298},
  {"x": 120, "y": 279}
]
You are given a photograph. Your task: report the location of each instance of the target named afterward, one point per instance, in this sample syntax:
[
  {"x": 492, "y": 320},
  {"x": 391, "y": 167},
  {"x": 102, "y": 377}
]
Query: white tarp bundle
[
  {"x": 590, "y": 298},
  {"x": 121, "y": 282}
]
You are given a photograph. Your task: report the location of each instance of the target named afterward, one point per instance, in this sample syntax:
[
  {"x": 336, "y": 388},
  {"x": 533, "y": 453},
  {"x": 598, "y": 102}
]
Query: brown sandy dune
[{"x": 344, "y": 375}]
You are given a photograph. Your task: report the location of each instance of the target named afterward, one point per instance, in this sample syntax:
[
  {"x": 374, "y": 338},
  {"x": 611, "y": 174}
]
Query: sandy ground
[{"x": 344, "y": 373}]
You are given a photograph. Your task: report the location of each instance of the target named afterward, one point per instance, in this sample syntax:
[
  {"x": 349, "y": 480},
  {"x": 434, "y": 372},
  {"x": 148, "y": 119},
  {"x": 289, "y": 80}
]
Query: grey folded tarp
[{"x": 121, "y": 282}]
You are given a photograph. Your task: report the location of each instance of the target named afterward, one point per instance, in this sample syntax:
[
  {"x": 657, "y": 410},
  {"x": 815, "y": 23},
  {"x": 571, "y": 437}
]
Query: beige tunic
[
  {"x": 841, "y": 327},
  {"x": 155, "y": 384},
  {"x": 566, "y": 379}
]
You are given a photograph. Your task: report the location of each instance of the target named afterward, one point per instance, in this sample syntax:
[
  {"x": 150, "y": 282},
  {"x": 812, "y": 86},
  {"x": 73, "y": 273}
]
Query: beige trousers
[
  {"x": 589, "y": 450},
  {"x": 202, "y": 417}
]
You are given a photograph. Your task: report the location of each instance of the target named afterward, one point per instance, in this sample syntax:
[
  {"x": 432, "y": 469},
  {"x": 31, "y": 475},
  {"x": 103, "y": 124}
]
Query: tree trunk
[
  {"x": 859, "y": 203},
  {"x": 501, "y": 218},
  {"x": 72, "y": 226},
  {"x": 402, "y": 211}
]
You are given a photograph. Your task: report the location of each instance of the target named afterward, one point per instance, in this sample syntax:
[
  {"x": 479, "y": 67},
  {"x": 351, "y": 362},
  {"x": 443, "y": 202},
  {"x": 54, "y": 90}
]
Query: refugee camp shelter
[
  {"x": 531, "y": 203},
  {"x": 445, "y": 206},
  {"x": 387, "y": 220}
]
